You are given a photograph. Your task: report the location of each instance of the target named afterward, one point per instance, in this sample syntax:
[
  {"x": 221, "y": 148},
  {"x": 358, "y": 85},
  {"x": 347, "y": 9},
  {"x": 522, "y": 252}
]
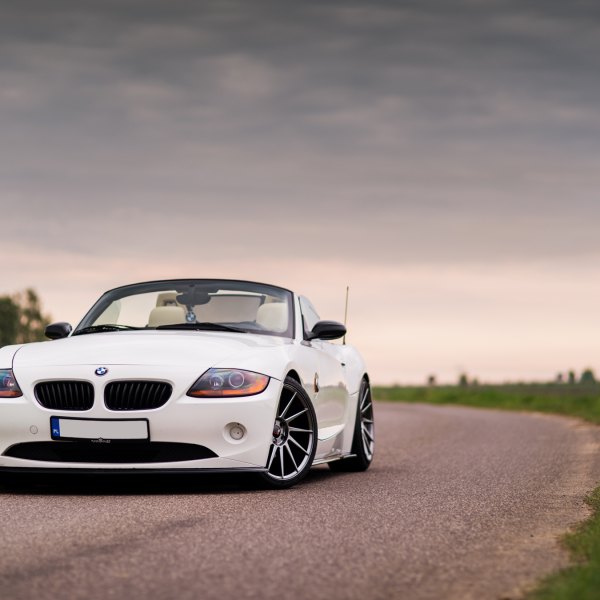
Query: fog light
[{"x": 236, "y": 432}]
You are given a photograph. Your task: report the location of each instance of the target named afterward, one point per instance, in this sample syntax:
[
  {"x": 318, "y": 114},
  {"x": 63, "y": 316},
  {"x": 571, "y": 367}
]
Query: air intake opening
[{"x": 115, "y": 452}]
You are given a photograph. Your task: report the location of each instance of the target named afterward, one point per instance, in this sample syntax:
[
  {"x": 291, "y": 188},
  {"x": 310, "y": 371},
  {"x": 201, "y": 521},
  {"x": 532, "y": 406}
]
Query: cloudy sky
[{"x": 441, "y": 158}]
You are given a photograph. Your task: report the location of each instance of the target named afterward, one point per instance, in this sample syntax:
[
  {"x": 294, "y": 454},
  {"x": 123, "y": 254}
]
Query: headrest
[
  {"x": 166, "y": 315},
  {"x": 273, "y": 316},
  {"x": 167, "y": 299}
]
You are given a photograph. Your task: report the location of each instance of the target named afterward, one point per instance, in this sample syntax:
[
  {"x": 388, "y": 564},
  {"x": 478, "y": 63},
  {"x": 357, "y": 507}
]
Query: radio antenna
[{"x": 346, "y": 312}]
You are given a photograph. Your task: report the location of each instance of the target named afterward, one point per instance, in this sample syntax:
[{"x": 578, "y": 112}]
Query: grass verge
[
  {"x": 576, "y": 400},
  {"x": 582, "y": 580}
]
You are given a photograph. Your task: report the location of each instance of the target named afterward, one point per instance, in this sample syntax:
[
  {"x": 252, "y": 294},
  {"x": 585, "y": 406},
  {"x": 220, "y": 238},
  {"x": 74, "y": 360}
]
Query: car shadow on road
[{"x": 115, "y": 484}]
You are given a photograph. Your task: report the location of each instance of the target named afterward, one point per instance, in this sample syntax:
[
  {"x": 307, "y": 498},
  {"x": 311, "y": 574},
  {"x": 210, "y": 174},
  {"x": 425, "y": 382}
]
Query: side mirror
[
  {"x": 55, "y": 331},
  {"x": 327, "y": 330}
]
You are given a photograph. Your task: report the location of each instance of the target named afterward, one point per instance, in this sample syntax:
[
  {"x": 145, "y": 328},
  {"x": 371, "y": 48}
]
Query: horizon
[{"x": 473, "y": 378}]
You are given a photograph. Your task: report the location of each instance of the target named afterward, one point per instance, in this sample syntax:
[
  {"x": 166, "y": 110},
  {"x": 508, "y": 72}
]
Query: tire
[
  {"x": 294, "y": 440},
  {"x": 363, "y": 440}
]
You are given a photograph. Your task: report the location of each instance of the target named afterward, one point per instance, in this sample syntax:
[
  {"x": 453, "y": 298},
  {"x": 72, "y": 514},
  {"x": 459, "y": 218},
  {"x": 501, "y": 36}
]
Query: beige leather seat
[
  {"x": 166, "y": 315},
  {"x": 273, "y": 316},
  {"x": 228, "y": 309}
]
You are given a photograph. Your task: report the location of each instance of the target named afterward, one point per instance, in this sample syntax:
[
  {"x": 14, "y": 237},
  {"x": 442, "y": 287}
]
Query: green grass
[
  {"x": 576, "y": 400},
  {"x": 582, "y": 580}
]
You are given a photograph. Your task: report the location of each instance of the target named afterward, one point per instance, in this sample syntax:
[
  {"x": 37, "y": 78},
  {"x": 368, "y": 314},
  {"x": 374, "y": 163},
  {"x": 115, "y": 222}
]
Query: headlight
[
  {"x": 9, "y": 388},
  {"x": 218, "y": 383}
]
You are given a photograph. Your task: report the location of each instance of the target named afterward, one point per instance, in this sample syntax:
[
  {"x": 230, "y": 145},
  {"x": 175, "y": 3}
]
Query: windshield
[{"x": 206, "y": 304}]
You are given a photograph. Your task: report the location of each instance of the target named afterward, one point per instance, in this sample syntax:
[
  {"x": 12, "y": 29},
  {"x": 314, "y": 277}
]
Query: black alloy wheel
[{"x": 294, "y": 440}]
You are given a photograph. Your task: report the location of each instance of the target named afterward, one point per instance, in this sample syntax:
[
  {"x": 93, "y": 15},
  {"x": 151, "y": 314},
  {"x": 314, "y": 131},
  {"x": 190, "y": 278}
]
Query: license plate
[{"x": 68, "y": 428}]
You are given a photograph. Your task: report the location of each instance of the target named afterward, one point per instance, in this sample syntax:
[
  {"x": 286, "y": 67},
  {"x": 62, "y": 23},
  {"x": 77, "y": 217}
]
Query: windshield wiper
[
  {"x": 107, "y": 327},
  {"x": 202, "y": 327}
]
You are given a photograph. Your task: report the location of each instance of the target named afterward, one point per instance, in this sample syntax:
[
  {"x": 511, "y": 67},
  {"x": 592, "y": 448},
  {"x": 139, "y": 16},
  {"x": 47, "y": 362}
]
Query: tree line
[
  {"x": 22, "y": 319},
  {"x": 587, "y": 377}
]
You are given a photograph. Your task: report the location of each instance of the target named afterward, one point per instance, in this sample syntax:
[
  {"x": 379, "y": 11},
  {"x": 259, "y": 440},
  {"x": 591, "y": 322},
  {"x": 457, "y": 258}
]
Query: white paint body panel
[{"x": 180, "y": 358}]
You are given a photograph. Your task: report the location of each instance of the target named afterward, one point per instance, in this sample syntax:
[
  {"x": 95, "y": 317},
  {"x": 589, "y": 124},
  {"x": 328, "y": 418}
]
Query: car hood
[{"x": 164, "y": 348}]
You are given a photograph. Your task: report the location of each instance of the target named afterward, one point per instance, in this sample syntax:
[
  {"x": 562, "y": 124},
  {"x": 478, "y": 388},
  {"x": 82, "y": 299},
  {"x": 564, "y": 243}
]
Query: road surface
[{"x": 459, "y": 503}]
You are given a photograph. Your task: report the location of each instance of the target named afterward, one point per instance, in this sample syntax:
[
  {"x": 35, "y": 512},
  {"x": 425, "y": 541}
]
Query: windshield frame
[{"x": 169, "y": 284}]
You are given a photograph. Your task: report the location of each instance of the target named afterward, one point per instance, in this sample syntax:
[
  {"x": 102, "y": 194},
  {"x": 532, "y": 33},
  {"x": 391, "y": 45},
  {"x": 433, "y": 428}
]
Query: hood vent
[{"x": 136, "y": 395}]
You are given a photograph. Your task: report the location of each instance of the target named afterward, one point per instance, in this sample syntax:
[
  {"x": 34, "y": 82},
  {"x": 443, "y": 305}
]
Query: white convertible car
[{"x": 188, "y": 375}]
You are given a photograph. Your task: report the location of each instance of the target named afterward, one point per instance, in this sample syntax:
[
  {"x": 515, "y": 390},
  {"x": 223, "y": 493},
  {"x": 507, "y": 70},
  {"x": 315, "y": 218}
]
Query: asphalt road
[{"x": 459, "y": 503}]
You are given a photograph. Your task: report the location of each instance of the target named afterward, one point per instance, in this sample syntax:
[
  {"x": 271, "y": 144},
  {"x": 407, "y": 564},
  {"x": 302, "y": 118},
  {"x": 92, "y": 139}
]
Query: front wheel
[
  {"x": 363, "y": 442},
  {"x": 294, "y": 440}
]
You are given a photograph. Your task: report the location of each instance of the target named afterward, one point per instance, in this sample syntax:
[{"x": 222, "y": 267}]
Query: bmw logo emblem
[{"x": 101, "y": 371}]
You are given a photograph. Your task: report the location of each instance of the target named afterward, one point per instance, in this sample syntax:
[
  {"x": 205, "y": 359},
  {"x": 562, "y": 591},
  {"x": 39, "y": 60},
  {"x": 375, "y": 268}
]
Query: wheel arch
[{"x": 293, "y": 374}]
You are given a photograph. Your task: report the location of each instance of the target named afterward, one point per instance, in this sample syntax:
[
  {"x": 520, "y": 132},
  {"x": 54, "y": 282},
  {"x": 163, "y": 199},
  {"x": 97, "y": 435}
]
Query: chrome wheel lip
[
  {"x": 367, "y": 430},
  {"x": 281, "y": 445}
]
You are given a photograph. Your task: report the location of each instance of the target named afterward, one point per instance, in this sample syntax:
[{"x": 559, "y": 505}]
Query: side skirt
[{"x": 322, "y": 461}]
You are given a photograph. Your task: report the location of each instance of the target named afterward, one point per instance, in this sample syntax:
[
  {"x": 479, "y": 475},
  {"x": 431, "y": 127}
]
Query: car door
[{"x": 330, "y": 391}]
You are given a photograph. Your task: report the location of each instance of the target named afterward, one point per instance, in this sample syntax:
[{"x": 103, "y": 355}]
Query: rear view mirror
[{"x": 55, "y": 331}]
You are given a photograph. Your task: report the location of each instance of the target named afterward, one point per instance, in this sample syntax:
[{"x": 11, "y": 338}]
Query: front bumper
[{"x": 182, "y": 420}]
